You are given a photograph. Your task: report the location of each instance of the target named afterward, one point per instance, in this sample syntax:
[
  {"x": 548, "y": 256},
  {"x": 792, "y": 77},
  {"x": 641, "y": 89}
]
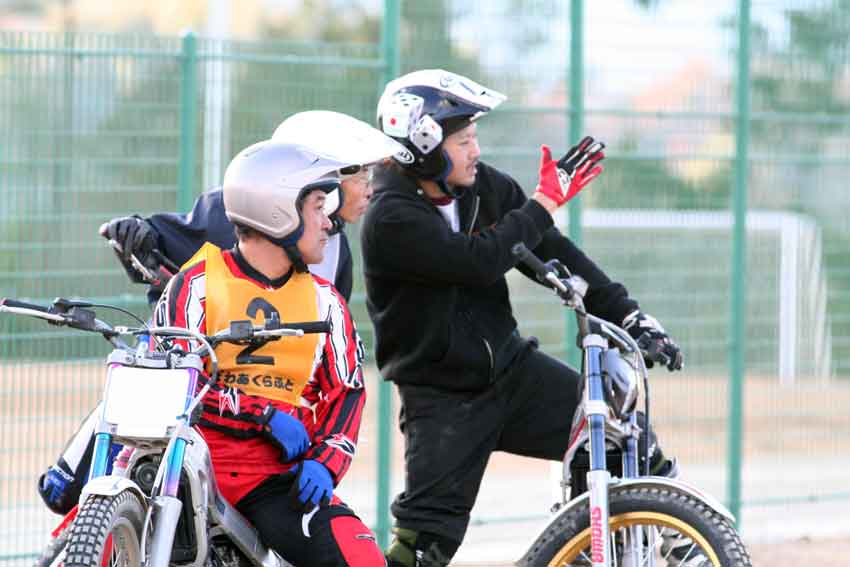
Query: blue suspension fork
[
  {"x": 100, "y": 456},
  {"x": 598, "y": 477},
  {"x": 104, "y": 451}
]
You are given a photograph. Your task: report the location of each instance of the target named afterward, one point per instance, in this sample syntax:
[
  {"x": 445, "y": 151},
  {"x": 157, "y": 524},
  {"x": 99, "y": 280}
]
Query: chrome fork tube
[{"x": 598, "y": 477}]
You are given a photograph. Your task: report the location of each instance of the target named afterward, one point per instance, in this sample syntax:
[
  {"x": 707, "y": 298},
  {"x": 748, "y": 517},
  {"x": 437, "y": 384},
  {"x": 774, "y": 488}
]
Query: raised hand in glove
[
  {"x": 313, "y": 485},
  {"x": 562, "y": 180},
  {"x": 133, "y": 236},
  {"x": 286, "y": 432},
  {"x": 653, "y": 340}
]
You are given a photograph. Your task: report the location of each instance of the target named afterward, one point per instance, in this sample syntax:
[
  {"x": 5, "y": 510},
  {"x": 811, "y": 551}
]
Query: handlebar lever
[
  {"x": 571, "y": 290},
  {"x": 241, "y": 330}
]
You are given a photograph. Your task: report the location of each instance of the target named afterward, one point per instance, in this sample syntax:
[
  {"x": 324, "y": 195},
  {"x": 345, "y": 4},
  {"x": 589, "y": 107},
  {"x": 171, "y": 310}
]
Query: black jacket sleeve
[
  {"x": 182, "y": 234},
  {"x": 605, "y": 298},
  {"x": 416, "y": 244}
]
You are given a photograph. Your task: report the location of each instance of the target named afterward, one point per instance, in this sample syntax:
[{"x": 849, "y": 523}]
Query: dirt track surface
[
  {"x": 824, "y": 553},
  {"x": 795, "y": 444},
  {"x": 797, "y": 553}
]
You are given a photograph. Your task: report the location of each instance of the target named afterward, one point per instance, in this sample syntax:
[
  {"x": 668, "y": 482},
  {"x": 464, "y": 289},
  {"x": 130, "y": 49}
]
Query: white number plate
[{"x": 143, "y": 402}]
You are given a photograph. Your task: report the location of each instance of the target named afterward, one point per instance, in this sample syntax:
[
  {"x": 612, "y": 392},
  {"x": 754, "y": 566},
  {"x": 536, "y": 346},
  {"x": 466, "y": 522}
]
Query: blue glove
[
  {"x": 53, "y": 486},
  {"x": 286, "y": 432},
  {"x": 313, "y": 485}
]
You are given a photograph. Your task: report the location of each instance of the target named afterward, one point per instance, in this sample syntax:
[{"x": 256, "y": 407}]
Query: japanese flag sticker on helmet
[{"x": 402, "y": 114}]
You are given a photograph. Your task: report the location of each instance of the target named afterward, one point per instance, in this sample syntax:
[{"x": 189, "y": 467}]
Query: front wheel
[
  {"x": 649, "y": 526},
  {"x": 106, "y": 532}
]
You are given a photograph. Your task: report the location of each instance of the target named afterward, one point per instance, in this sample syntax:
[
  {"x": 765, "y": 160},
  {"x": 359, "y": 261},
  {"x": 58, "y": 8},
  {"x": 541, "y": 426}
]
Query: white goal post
[{"x": 804, "y": 337}]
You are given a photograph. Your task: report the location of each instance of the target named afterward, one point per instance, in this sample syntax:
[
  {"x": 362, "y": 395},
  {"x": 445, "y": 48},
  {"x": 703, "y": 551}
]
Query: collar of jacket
[{"x": 389, "y": 178}]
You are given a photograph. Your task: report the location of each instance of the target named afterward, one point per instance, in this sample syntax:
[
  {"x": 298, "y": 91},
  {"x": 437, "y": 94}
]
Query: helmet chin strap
[
  {"x": 452, "y": 192},
  {"x": 296, "y": 258},
  {"x": 289, "y": 243},
  {"x": 337, "y": 224}
]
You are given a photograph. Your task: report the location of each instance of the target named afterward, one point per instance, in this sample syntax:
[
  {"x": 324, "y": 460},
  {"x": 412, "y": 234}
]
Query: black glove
[
  {"x": 653, "y": 341},
  {"x": 554, "y": 266},
  {"x": 134, "y": 236}
]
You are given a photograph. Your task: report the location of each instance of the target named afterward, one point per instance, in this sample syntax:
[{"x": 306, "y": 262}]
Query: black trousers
[
  {"x": 449, "y": 437},
  {"x": 333, "y": 536}
]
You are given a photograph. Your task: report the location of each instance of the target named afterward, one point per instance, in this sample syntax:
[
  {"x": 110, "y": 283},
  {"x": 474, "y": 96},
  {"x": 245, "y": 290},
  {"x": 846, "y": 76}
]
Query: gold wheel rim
[{"x": 581, "y": 541}]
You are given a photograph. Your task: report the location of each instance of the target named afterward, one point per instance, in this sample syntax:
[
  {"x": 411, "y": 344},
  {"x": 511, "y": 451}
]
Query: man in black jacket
[{"x": 436, "y": 246}]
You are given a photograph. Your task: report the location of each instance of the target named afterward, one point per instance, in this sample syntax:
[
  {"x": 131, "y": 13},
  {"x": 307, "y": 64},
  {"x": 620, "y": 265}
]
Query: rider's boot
[{"x": 410, "y": 548}]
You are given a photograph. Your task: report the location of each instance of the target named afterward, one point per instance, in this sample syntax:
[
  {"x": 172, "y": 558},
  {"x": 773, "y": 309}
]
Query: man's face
[
  {"x": 462, "y": 148},
  {"x": 316, "y": 226},
  {"x": 357, "y": 190}
]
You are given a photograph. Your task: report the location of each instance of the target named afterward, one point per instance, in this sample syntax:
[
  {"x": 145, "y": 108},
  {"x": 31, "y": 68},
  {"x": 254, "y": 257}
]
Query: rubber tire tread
[
  {"x": 721, "y": 535},
  {"x": 52, "y": 549},
  {"x": 94, "y": 522}
]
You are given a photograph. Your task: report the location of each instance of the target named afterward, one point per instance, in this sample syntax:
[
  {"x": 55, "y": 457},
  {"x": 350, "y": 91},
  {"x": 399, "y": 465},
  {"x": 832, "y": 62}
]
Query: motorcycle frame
[
  {"x": 595, "y": 424},
  {"x": 184, "y": 451}
]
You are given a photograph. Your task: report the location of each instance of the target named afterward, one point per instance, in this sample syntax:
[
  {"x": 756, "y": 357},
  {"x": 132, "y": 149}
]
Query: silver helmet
[{"x": 265, "y": 183}]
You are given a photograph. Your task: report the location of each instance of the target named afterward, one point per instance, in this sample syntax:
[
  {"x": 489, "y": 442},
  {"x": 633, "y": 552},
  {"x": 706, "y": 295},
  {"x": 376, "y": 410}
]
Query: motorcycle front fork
[{"x": 599, "y": 477}]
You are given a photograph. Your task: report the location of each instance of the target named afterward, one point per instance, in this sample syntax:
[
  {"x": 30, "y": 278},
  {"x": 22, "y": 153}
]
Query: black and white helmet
[{"x": 422, "y": 108}]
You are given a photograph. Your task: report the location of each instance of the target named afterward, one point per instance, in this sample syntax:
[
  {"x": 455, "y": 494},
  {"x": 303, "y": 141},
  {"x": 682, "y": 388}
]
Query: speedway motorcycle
[
  {"x": 615, "y": 513},
  {"x": 160, "y": 505}
]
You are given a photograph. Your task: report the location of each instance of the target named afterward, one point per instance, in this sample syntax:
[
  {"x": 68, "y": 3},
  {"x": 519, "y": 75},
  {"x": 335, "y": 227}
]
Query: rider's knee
[
  {"x": 356, "y": 542},
  {"x": 411, "y": 548}
]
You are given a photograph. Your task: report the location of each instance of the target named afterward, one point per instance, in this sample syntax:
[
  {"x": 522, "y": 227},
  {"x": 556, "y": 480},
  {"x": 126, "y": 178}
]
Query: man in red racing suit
[{"x": 282, "y": 421}]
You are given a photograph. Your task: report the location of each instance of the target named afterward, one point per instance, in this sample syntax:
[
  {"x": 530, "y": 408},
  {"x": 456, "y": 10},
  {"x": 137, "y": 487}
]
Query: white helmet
[
  {"x": 265, "y": 183},
  {"x": 339, "y": 136},
  {"x": 421, "y": 108}
]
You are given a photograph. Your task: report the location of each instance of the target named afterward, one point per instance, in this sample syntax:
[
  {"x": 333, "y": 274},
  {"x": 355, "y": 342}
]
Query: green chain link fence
[{"x": 708, "y": 124}]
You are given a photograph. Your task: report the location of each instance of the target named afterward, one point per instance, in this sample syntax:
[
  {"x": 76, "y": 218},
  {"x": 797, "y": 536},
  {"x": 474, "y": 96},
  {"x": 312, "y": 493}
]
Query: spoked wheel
[
  {"x": 106, "y": 532},
  {"x": 649, "y": 527}
]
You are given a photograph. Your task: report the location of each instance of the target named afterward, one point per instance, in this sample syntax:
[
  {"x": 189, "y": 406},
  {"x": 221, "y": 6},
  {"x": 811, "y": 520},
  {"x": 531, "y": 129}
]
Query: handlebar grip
[
  {"x": 527, "y": 257},
  {"x": 23, "y": 305},
  {"x": 310, "y": 327}
]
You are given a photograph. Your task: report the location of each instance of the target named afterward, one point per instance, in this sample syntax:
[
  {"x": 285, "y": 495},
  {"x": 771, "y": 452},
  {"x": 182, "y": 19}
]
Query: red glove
[{"x": 562, "y": 180}]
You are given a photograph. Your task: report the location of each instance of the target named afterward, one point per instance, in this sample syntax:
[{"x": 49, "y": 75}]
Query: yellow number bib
[{"x": 279, "y": 369}]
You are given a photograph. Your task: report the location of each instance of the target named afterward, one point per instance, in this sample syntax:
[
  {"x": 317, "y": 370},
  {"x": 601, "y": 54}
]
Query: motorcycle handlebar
[
  {"x": 310, "y": 327},
  {"x": 524, "y": 255},
  {"x": 31, "y": 309},
  {"x": 571, "y": 290},
  {"x": 7, "y": 302}
]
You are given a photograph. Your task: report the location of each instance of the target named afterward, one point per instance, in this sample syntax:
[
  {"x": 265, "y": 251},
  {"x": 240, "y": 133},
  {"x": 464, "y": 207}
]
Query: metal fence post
[
  {"x": 188, "y": 116},
  {"x": 390, "y": 56},
  {"x": 738, "y": 305},
  {"x": 576, "y": 112}
]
